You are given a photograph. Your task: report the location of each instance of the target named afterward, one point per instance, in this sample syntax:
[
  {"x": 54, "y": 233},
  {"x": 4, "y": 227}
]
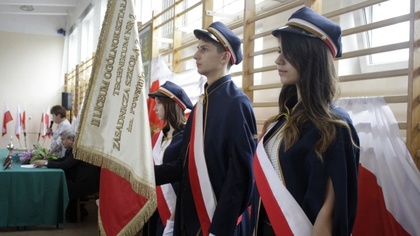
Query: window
[
  {"x": 73, "y": 46},
  {"x": 87, "y": 39},
  {"x": 388, "y": 35}
]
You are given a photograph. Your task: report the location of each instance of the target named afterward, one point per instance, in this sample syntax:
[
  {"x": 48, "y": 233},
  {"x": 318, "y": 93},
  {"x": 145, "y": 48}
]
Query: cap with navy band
[
  {"x": 174, "y": 92},
  {"x": 220, "y": 33},
  {"x": 307, "y": 22}
]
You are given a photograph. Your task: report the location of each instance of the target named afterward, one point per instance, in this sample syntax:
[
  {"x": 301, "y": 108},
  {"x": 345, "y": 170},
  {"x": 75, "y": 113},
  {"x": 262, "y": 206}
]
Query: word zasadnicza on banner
[{"x": 133, "y": 56}]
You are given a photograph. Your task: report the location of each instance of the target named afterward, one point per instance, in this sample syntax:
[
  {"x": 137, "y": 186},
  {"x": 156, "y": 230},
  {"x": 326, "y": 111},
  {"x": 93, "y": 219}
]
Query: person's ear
[{"x": 226, "y": 57}]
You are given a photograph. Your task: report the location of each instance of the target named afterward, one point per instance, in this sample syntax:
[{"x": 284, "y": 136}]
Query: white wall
[
  {"x": 30, "y": 76},
  {"x": 33, "y": 24}
]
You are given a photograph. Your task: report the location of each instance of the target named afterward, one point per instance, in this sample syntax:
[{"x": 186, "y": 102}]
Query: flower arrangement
[{"x": 37, "y": 153}]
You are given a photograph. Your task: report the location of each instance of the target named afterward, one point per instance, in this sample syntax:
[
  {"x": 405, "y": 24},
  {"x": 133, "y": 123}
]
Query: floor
[{"x": 89, "y": 227}]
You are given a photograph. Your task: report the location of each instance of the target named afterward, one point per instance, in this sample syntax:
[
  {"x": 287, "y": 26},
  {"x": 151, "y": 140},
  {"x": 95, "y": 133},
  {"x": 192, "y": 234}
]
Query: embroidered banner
[{"x": 114, "y": 130}]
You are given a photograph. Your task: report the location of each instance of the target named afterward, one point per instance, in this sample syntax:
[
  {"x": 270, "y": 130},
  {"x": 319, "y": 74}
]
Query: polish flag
[
  {"x": 7, "y": 117},
  {"x": 23, "y": 120},
  {"x": 389, "y": 181},
  {"x": 45, "y": 120},
  {"x": 42, "y": 129},
  {"x": 23, "y": 123},
  {"x": 18, "y": 126}
]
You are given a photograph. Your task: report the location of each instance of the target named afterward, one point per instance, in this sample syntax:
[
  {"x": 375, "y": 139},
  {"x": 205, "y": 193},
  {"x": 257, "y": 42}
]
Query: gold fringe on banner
[
  {"x": 137, "y": 223},
  {"x": 93, "y": 157}
]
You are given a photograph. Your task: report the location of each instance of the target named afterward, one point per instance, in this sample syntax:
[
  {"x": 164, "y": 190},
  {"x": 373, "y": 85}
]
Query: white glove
[
  {"x": 169, "y": 228},
  {"x": 211, "y": 234}
]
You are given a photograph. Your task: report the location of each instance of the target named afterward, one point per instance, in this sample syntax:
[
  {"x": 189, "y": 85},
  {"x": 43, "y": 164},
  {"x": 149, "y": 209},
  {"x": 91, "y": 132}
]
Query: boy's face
[
  {"x": 67, "y": 142},
  {"x": 208, "y": 59}
]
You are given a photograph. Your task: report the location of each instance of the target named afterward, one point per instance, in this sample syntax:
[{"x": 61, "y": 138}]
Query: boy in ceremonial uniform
[{"x": 215, "y": 164}]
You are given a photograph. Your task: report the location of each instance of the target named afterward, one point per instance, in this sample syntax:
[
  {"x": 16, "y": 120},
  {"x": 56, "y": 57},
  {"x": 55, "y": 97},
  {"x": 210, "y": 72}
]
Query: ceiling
[{"x": 47, "y": 17}]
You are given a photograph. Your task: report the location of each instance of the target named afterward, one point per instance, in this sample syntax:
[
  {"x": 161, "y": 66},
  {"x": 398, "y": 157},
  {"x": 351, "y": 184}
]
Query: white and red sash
[
  {"x": 203, "y": 194},
  {"x": 284, "y": 213},
  {"x": 166, "y": 196}
]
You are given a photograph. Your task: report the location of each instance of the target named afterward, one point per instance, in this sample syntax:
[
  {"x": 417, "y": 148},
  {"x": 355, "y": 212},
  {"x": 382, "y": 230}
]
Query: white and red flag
[
  {"x": 389, "y": 181},
  {"x": 7, "y": 117},
  {"x": 23, "y": 120},
  {"x": 48, "y": 122},
  {"x": 23, "y": 123},
  {"x": 45, "y": 120},
  {"x": 114, "y": 131},
  {"x": 42, "y": 128},
  {"x": 18, "y": 125}
]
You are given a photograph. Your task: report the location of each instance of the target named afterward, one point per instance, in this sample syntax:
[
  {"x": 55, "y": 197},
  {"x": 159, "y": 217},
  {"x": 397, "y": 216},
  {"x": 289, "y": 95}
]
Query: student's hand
[
  {"x": 49, "y": 131},
  {"x": 40, "y": 163}
]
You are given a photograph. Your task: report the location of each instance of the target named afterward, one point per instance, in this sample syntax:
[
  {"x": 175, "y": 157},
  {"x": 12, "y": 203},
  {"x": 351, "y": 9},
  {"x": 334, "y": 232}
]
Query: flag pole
[
  {"x": 20, "y": 142},
  {"x": 20, "y": 132},
  {"x": 24, "y": 138},
  {"x": 40, "y": 126},
  {"x": 39, "y": 134},
  {"x": 23, "y": 121}
]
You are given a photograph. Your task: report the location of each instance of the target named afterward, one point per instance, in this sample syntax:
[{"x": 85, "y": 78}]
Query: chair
[{"x": 84, "y": 200}]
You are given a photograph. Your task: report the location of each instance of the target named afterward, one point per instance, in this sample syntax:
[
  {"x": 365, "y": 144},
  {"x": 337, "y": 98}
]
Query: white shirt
[{"x": 56, "y": 138}]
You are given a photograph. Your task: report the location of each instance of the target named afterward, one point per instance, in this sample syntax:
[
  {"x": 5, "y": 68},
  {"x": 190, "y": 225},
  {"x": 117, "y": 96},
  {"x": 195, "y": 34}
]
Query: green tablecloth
[{"x": 31, "y": 196}]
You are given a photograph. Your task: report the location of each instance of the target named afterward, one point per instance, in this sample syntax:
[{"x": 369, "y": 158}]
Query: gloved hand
[{"x": 169, "y": 228}]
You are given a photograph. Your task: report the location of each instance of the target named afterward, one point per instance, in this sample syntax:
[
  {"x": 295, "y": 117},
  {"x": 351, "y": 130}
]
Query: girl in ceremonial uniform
[
  {"x": 307, "y": 159},
  {"x": 171, "y": 103}
]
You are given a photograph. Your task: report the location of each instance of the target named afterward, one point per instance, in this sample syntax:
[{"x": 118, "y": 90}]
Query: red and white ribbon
[
  {"x": 204, "y": 198},
  {"x": 285, "y": 214}
]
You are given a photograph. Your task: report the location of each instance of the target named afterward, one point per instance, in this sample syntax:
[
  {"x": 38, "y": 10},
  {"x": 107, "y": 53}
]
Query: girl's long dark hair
[
  {"x": 318, "y": 89},
  {"x": 174, "y": 115}
]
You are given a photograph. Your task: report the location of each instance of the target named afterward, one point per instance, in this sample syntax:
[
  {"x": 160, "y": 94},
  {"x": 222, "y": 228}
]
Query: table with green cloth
[{"x": 31, "y": 196}]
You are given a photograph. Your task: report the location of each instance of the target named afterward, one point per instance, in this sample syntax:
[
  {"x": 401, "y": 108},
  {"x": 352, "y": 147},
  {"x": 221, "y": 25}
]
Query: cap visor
[
  {"x": 292, "y": 29},
  {"x": 204, "y": 33},
  {"x": 157, "y": 94}
]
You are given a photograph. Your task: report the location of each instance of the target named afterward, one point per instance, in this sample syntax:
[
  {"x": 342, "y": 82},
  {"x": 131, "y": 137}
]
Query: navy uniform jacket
[
  {"x": 229, "y": 145},
  {"x": 306, "y": 176}
]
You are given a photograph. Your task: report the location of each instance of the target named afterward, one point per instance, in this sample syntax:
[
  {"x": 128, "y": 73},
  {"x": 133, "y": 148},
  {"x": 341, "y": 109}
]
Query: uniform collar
[{"x": 209, "y": 89}]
